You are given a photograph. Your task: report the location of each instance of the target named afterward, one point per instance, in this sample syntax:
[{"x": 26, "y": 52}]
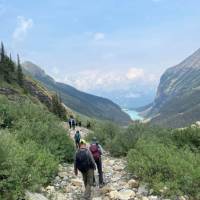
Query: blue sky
[{"x": 102, "y": 44}]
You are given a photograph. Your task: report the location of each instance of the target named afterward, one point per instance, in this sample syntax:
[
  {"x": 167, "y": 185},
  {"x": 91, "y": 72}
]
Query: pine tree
[
  {"x": 57, "y": 107},
  {"x": 2, "y": 52},
  {"x": 20, "y": 75}
]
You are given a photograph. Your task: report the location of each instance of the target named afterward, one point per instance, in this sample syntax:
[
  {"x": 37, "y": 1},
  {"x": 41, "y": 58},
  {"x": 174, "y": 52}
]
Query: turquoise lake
[{"x": 133, "y": 114}]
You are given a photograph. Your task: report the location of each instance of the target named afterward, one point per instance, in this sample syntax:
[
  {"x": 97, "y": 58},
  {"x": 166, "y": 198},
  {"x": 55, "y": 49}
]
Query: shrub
[
  {"x": 105, "y": 132},
  {"x": 23, "y": 166},
  {"x": 165, "y": 165},
  {"x": 31, "y": 146},
  {"x": 187, "y": 137}
]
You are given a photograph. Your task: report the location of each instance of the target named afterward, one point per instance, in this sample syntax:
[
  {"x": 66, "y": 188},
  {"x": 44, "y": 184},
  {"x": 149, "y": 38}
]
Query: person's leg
[
  {"x": 89, "y": 183},
  {"x": 94, "y": 181},
  {"x": 100, "y": 172},
  {"x": 84, "y": 178}
]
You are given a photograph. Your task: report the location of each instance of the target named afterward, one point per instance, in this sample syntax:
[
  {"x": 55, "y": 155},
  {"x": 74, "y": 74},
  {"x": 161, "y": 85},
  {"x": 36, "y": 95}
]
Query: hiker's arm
[
  {"x": 92, "y": 159},
  {"x": 75, "y": 166}
]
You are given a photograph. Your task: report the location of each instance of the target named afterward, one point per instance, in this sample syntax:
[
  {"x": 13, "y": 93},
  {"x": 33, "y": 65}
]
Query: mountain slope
[
  {"x": 81, "y": 102},
  {"x": 177, "y": 102}
]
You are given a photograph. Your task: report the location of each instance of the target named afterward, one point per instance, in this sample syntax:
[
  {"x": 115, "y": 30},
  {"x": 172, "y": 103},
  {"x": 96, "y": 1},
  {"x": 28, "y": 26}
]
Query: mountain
[
  {"x": 81, "y": 102},
  {"x": 177, "y": 102},
  {"x": 129, "y": 98}
]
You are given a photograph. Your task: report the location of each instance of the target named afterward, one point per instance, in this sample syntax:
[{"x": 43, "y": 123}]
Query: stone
[
  {"x": 76, "y": 182},
  {"x": 106, "y": 189},
  {"x": 153, "y": 197},
  {"x": 126, "y": 194},
  {"x": 63, "y": 184},
  {"x": 114, "y": 195},
  {"x": 118, "y": 168},
  {"x": 34, "y": 196},
  {"x": 142, "y": 190},
  {"x": 62, "y": 174},
  {"x": 144, "y": 198},
  {"x": 133, "y": 183},
  {"x": 50, "y": 189}
]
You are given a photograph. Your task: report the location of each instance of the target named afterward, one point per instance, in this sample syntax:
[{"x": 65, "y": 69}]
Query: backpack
[
  {"x": 82, "y": 161},
  {"x": 77, "y": 137},
  {"x": 95, "y": 151}
]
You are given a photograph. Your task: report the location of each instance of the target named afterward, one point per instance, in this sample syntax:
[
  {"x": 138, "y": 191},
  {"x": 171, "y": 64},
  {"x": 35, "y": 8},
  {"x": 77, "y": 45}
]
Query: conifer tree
[
  {"x": 20, "y": 75},
  {"x": 2, "y": 52},
  {"x": 57, "y": 107}
]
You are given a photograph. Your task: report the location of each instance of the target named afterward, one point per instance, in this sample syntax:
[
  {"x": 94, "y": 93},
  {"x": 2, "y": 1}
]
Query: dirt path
[{"x": 119, "y": 184}]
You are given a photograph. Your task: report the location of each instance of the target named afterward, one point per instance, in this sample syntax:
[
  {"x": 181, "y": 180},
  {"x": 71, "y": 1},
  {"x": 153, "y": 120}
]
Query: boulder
[
  {"x": 133, "y": 183},
  {"x": 34, "y": 196},
  {"x": 76, "y": 182},
  {"x": 50, "y": 189},
  {"x": 126, "y": 195},
  {"x": 62, "y": 174},
  {"x": 114, "y": 195},
  {"x": 106, "y": 189}
]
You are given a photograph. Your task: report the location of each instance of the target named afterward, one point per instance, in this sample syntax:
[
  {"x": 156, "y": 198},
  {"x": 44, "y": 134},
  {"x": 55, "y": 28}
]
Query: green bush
[
  {"x": 105, "y": 132},
  {"x": 34, "y": 122},
  {"x": 23, "y": 166},
  {"x": 187, "y": 137},
  {"x": 163, "y": 165},
  {"x": 31, "y": 147}
]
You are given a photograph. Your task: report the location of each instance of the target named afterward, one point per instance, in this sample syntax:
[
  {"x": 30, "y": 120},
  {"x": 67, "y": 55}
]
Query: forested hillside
[
  {"x": 32, "y": 141},
  {"x": 81, "y": 102}
]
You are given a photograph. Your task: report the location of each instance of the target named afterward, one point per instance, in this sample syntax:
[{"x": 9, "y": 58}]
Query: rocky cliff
[{"x": 177, "y": 102}]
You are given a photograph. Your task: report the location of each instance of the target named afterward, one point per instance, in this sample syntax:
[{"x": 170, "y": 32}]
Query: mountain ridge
[
  {"x": 177, "y": 101},
  {"x": 81, "y": 102}
]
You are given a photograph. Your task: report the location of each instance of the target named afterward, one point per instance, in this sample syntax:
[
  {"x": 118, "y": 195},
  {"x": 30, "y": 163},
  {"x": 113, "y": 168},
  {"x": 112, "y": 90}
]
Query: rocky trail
[{"x": 119, "y": 183}]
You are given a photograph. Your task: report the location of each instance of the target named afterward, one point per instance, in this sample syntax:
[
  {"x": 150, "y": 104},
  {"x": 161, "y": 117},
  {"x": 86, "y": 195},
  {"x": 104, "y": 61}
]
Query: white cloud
[
  {"x": 23, "y": 25},
  {"x": 94, "y": 79},
  {"x": 135, "y": 73},
  {"x": 99, "y": 36}
]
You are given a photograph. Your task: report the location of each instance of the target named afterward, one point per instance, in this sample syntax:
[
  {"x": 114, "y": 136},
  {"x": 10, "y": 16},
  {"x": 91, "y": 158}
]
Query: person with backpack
[
  {"x": 97, "y": 151},
  {"x": 77, "y": 138},
  {"x": 73, "y": 124},
  {"x": 84, "y": 162}
]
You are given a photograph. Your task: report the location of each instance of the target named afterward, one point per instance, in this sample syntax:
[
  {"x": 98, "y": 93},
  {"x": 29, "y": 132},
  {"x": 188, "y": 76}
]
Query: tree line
[{"x": 10, "y": 71}]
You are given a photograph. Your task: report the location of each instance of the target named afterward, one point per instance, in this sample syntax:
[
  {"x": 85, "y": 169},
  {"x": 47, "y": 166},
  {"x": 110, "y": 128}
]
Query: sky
[{"x": 102, "y": 45}]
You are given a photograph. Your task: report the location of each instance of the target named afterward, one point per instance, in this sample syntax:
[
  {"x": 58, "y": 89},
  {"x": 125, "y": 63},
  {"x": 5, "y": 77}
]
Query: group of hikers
[
  {"x": 73, "y": 123},
  {"x": 87, "y": 160}
]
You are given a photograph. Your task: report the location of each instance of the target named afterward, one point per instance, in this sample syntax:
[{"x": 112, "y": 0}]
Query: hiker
[
  {"x": 97, "y": 151},
  {"x": 77, "y": 138},
  {"x": 70, "y": 122},
  {"x": 85, "y": 163},
  {"x": 73, "y": 124}
]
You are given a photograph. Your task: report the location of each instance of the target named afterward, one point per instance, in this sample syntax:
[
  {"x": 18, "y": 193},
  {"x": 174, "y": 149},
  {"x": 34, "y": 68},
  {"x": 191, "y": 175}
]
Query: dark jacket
[{"x": 90, "y": 158}]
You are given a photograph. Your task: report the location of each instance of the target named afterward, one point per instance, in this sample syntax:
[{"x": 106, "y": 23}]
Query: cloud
[
  {"x": 93, "y": 79},
  {"x": 99, "y": 36},
  {"x": 135, "y": 73},
  {"x": 23, "y": 25}
]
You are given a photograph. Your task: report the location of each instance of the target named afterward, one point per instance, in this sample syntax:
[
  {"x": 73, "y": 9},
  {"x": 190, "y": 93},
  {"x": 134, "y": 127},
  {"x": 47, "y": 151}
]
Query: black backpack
[{"x": 82, "y": 160}]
